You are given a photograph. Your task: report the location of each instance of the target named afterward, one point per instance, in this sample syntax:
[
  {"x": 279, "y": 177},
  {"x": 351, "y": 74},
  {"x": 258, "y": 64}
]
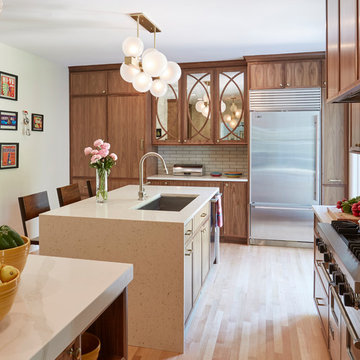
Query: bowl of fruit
[
  {"x": 14, "y": 249},
  {"x": 9, "y": 280}
]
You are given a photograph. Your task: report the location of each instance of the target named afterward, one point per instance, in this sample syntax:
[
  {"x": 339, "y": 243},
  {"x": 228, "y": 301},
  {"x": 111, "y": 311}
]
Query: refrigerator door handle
[
  {"x": 316, "y": 160},
  {"x": 280, "y": 208}
]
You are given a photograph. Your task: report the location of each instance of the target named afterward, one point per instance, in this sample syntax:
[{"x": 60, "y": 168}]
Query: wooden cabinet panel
[
  {"x": 266, "y": 76},
  {"x": 348, "y": 43},
  {"x": 235, "y": 209},
  {"x": 116, "y": 85},
  {"x": 88, "y": 83},
  {"x": 334, "y": 144},
  {"x": 355, "y": 127},
  {"x": 188, "y": 297},
  {"x": 88, "y": 123},
  {"x": 331, "y": 194},
  {"x": 321, "y": 302},
  {"x": 205, "y": 250},
  {"x": 126, "y": 129},
  {"x": 196, "y": 269},
  {"x": 303, "y": 74},
  {"x": 333, "y": 48}
]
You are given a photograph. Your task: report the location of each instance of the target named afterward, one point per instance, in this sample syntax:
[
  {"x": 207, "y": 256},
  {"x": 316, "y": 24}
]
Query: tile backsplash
[{"x": 214, "y": 158}]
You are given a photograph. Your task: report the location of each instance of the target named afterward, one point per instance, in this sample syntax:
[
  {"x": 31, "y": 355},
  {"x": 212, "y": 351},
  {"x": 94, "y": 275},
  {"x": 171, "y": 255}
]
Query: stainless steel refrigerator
[{"x": 285, "y": 157}]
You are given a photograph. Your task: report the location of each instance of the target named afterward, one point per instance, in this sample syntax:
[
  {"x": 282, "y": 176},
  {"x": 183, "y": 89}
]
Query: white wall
[{"x": 44, "y": 156}]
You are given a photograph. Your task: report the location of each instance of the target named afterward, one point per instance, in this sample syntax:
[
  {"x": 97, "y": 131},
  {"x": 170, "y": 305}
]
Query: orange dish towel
[{"x": 219, "y": 215}]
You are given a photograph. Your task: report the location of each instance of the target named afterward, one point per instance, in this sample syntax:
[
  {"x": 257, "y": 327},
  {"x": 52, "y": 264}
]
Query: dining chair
[
  {"x": 91, "y": 186},
  {"x": 31, "y": 206},
  {"x": 68, "y": 194}
]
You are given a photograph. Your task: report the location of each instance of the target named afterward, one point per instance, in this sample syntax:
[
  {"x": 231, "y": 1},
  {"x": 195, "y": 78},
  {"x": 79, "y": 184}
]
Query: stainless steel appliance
[
  {"x": 214, "y": 232},
  {"x": 186, "y": 169},
  {"x": 337, "y": 265},
  {"x": 284, "y": 165}
]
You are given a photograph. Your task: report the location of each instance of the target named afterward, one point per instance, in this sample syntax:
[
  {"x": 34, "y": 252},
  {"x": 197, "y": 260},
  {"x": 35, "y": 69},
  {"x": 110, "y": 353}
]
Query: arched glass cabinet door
[
  {"x": 198, "y": 108},
  {"x": 167, "y": 117},
  {"x": 231, "y": 107}
]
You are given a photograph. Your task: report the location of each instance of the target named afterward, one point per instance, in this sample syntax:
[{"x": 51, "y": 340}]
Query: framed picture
[
  {"x": 9, "y": 155},
  {"x": 37, "y": 122},
  {"x": 8, "y": 120},
  {"x": 8, "y": 86}
]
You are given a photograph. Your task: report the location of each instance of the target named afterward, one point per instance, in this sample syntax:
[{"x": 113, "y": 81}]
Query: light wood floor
[{"x": 257, "y": 304}]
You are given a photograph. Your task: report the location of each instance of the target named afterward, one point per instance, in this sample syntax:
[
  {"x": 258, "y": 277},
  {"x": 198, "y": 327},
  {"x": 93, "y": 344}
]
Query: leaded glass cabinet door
[
  {"x": 231, "y": 107},
  {"x": 166, "y": 117},
  {"x": 198, "y": 109}
]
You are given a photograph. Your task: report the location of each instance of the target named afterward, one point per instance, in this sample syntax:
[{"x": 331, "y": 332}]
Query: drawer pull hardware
[
  {"x": 188, "y": 253},
  {"x": 75, "y": 353},
  {"x": 189, "y": 232},
  {"x": 203, "y": 215},
  {"x": 317, "y": 300},
  {"x": 335, "y": 180},
  {"x": 350, "y": 328}
]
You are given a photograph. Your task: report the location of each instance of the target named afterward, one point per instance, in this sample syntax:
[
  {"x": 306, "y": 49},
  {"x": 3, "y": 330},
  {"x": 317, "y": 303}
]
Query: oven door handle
[{"x": 349, "y": 325}]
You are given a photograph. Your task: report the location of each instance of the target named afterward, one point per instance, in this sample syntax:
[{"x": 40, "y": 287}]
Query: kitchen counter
[
  {"x": 123, "y": 201},
  {"x": 151, "y": 240},
  {"x": 322, "y": 213},
  {"x": 56, "y": 301},
  {"x": 195, "y": 178}
]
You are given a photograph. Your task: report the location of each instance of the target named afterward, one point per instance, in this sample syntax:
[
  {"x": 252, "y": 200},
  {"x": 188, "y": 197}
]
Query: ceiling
[{"x": 79, "y": 32}]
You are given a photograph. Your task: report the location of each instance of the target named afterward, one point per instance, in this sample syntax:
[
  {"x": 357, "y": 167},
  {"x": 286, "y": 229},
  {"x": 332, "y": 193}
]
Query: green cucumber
[
  {"x": 3, "y": 243},
  {"x": 12, "y": 234}
]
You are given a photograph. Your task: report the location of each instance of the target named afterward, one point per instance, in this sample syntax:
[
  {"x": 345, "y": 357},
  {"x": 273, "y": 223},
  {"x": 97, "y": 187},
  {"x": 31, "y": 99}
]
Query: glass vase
[{"x": 101, "y": 185}]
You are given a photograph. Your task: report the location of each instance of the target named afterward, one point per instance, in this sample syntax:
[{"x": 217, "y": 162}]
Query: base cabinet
[
  {"x": 188, "y": 278},
  {"x": 196, "y": 273},
  {"x": 235, "y": 202},
  {"x": 205, "y": 250}
]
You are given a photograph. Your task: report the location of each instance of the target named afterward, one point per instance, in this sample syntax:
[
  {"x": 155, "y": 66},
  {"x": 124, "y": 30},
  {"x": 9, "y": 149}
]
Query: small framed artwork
[
  {"x": 8, "y": 86},
  {"x": 9, "y": 156},
  {"x": 8, "y": 120},
  {"x": 37, "y": 122}
]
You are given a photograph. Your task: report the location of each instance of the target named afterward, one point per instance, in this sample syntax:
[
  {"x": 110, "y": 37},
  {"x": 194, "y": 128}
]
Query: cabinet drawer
[
  {"x": 201, "y": 215},
  {"x": 188, "y": 230},
  {"x": 321, "y": 302}
]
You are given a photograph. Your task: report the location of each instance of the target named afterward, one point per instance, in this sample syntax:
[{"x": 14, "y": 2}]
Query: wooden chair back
[
  {"x": 91, "y": 185},
  {"x": 31, "y": 206},
  {"x": 68, "y": 194}
]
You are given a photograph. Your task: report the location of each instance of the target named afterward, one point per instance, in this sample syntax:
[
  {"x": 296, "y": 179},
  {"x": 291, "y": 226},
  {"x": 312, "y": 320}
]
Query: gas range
[{"x": 339, "y": 244}]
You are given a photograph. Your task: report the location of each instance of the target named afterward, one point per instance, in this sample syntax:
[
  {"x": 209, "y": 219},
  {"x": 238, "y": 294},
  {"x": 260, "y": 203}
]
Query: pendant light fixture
[
  {"x": 149, "y": 69},
  {"x": 232, "y": 119}
]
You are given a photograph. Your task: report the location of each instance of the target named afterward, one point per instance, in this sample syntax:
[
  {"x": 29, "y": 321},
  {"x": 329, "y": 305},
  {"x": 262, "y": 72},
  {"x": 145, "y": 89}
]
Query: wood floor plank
[{"x": 257, "y": 304}]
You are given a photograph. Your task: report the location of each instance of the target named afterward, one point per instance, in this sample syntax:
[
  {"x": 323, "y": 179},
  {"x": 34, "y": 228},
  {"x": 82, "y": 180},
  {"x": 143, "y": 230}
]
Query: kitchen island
[
  {"x": 151, "y": 240},
  {"x": 57, "y": 300}
]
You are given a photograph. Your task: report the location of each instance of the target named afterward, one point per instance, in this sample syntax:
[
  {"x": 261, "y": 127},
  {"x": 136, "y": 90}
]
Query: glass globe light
[
  {"x": 154, "y": 63},
  {"x": 158, "y": 88},
  {"x": 199, "y": 106},
  {"x": 132, "y": 46},
  {"x": 237, "y": 114},
  {"x": 227, "y": 118},
  {"x": 172, "y": 73},
  {"x": 142, "y": 82},
  {"x": 233, "y": 124},
  {"x": 147, "y": 51},
  {"x": 128, "y": 72},
  {"x": 205, "y": 111},
  {"x": 222, "y": 106}
]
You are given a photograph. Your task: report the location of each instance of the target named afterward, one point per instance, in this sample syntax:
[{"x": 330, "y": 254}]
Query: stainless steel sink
[{"x": 168, "y": 203}]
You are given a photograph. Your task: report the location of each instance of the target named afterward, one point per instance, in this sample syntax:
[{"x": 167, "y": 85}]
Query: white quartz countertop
[
  {"x": 196, "y": 178},
  {"x": 57, "y": 299},
  {"x": 321, "y": 211},
  {"x": 122, "y": 203}
]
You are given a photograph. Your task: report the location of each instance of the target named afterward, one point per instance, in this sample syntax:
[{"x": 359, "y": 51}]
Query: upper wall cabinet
[
  {"x": 166, "y": 117},
  {"x": 88, "y": 83},
  {"x": 231, "y": 107},
  {"x": 343, "y": 51},
  {"x": 285, "y": 74},
  {"x": 207, "y": 106},
  {"x": 199, "y": 109}
]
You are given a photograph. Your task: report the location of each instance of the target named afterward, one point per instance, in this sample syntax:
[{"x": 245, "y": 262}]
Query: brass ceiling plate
[{"x": 145, "y": 22}]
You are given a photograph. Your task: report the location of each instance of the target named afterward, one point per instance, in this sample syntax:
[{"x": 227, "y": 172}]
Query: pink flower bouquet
[{"x": 102, "y": 161}]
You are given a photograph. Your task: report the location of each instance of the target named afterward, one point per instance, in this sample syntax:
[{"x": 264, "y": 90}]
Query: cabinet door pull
[
  {"x": 142, "y": 144},
  {"x": 287, "y": 84},
  {"x": 189, "y": 232},
  {"x": 188, "y": 253},
  {"x": 335, "y": 180},
  {"x": 318, "y": 301},
  {"x": 281, "y": 85},
  {"x": 203, "y": 215}
]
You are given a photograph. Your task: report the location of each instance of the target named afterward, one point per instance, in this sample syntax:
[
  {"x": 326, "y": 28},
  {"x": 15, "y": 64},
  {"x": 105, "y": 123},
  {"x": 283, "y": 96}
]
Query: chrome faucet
[{"x": 141, "y": 172}]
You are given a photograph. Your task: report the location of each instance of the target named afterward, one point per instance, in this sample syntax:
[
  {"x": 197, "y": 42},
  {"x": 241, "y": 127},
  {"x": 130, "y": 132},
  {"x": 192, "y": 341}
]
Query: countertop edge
[{"x": 196, "y": 178}]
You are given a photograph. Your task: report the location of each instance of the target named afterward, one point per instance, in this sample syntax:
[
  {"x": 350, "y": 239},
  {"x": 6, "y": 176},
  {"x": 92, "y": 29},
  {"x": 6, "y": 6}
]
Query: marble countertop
[
  {"x": 57, "y": 299},
  {"x": 196, "y": 178},
  {"x": 322, "y": 213},
  {"x": 122, "y": 203}
]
